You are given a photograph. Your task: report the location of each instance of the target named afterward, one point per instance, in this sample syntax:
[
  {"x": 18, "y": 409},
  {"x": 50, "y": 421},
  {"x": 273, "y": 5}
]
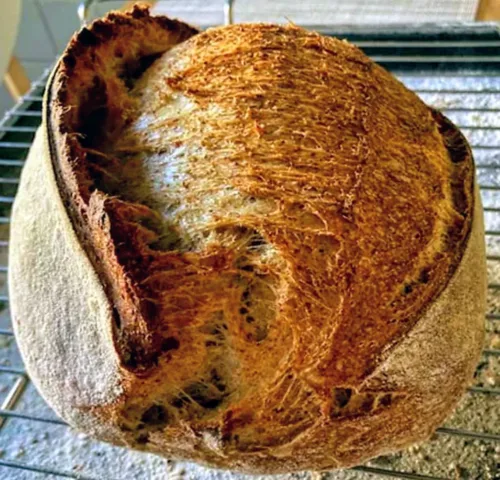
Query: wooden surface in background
[
  {"x": 488, "y": 10},
  {"x": 15, "y": 79}
]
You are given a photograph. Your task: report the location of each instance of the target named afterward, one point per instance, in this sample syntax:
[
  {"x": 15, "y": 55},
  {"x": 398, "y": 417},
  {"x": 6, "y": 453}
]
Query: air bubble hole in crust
[
  {"x": 154, "y": 416},
  {"x": 342, "y": 396}
]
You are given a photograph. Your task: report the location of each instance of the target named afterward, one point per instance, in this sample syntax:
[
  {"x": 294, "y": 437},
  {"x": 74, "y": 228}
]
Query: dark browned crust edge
[
  {"x": 462, "y": 186},
  {"x": 138, "y": 352}
]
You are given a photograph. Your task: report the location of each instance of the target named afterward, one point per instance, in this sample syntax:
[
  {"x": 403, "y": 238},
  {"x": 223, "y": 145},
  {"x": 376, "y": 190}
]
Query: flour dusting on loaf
[{"x": 290, "y": 242}]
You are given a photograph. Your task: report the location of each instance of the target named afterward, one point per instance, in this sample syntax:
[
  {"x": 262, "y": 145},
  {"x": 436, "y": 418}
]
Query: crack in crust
[{"x": 89, "y": 101}]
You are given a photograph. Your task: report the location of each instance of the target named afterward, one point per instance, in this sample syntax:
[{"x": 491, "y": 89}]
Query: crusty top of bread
[{"x": 268, "y": 211}]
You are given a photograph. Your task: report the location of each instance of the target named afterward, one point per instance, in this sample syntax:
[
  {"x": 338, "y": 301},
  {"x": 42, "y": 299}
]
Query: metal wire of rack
[{"x": 456, "y": 69}]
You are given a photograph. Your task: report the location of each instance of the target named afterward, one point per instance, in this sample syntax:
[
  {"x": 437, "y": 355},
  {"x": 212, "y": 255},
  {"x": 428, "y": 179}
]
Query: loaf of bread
[{"x": 250, "y": 247}]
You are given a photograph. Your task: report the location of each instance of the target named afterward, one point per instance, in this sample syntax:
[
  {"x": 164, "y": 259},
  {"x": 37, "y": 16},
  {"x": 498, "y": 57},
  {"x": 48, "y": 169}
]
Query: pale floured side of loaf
[{"x": 61, "y": 316}]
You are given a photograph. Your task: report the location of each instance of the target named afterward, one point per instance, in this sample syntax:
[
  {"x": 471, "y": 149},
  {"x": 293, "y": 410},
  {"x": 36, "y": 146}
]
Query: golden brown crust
[{"x": 329, "y": 204}]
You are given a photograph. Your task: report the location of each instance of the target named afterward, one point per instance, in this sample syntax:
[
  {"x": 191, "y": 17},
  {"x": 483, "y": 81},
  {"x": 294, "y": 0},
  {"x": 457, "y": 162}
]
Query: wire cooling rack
[{"x": 457, "y": 70}]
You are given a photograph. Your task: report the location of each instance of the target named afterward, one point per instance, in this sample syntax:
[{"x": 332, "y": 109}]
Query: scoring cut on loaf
[{"x": 260, "y": 250}]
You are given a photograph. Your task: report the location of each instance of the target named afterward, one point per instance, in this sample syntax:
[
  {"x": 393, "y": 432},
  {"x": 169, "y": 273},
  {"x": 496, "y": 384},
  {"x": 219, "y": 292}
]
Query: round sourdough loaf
[{"x": 250, "y": 247}]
